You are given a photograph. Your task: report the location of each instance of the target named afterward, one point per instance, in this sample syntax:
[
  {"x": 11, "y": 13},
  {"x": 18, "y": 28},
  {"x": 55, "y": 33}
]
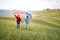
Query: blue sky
[{"x": 28, "y": 5}]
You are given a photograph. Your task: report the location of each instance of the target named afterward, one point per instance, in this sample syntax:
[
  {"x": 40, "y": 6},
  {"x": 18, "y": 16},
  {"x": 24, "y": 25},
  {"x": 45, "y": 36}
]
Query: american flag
[{"x": 21, "y": 14}]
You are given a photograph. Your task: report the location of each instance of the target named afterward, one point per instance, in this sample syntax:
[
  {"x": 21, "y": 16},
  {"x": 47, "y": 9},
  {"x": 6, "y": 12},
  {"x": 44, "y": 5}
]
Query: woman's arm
[{"x": 30, "y": 16}]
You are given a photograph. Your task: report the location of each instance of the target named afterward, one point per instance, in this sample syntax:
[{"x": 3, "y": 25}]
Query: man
[{"x": 18, "y": 20}]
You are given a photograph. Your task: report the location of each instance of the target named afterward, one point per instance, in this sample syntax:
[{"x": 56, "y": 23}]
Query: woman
[{"x": 27, "y": 20}]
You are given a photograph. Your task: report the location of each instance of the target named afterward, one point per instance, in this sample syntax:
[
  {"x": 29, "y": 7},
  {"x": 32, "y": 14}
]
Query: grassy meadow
[{"x": 40, "y": 28}]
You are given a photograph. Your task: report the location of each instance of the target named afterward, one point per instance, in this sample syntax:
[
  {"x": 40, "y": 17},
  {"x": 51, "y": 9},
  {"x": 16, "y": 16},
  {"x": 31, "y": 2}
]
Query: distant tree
[{"x": 48, "y": 9}]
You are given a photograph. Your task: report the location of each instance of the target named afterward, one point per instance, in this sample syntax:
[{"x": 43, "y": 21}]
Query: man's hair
[{"x": 17, "y": 15}]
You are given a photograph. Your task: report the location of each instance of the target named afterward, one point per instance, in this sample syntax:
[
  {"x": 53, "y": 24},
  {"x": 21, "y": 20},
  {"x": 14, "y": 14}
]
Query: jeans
[{"x": 18, "y": 25}]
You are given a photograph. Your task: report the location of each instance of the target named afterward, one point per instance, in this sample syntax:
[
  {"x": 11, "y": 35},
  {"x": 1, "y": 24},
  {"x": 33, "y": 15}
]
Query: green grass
[{"x": 39, "y": 29}]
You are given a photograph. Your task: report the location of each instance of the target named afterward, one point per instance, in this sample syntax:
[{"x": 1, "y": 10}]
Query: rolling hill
[
  {"x": 40, "y": 28},
  {"x": 48, "y": 13}
]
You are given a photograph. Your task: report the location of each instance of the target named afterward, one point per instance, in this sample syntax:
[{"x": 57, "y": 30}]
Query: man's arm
[{"x": 15, "y": 15}]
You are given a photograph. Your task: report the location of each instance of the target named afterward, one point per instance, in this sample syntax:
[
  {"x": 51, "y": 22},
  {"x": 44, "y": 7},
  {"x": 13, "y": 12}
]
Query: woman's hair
[{"x": 27, "y": 16}]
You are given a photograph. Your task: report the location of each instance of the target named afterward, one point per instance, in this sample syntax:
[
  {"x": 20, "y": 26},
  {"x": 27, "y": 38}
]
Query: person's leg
[
  {"x": 18, "y": 25},
  {"x": 27, "y": 26}
]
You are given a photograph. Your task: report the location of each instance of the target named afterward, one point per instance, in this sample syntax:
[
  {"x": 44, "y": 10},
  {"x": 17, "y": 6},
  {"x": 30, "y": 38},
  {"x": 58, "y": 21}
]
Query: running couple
[{"x": 18, "y": 20}]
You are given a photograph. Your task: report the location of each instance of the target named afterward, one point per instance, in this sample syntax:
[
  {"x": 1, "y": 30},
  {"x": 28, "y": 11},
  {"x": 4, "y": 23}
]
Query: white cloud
[{"x": 30, "y": 4}]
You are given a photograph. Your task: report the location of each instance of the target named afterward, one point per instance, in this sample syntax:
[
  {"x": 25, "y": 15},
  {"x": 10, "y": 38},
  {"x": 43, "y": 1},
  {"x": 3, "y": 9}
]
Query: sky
[{"x": 29, "y": 5}]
